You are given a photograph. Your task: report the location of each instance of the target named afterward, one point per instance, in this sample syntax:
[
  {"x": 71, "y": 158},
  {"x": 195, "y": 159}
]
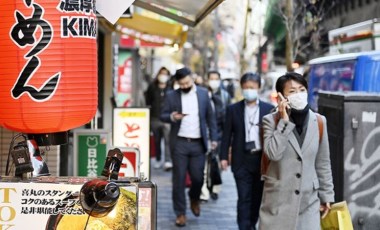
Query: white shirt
[
  {"x": 190, "y": 124},
  {"x": 251, "y": 121}
]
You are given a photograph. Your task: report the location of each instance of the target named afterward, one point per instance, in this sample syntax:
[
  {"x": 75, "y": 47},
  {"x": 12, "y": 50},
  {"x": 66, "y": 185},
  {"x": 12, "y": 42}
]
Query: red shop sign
[{"x": 48, "y": 64}]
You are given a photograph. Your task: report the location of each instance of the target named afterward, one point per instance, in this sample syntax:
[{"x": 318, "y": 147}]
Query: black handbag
[{"x": 213, "y": 170}]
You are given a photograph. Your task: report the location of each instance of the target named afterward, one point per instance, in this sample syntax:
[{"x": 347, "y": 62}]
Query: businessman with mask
[
  {"x": 242, "y": 134},
  {"x": 189, "y": 111}
]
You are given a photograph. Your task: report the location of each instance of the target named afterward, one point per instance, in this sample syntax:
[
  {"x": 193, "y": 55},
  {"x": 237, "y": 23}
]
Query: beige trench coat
[{"x": 298, "y": 178}]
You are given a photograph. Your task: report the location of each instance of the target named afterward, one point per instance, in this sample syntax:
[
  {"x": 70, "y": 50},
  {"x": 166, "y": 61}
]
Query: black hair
[
  {"x": 159, "y": 71},
  {"x": 281, "y": 81},
  {"x": 250, "y": 77},
  {"x": 182, "y": 73},
  {"x": 213, "y": 72},
  {"x": 163, "y": 68}
]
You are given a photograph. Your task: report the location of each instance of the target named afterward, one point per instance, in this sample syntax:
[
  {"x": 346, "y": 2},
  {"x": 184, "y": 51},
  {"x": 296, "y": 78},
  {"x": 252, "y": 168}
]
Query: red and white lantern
[{"x": 48, "y": 64}]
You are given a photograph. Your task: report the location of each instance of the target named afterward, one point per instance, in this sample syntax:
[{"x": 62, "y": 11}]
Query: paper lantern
[{"x": 48, "y": 64}]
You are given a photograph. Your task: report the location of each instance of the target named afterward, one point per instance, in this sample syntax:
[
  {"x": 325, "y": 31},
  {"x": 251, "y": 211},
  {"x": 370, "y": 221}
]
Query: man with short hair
[
  {"x": 214, "y": 82},
  {"x": 189, "y": 111},
  {"x": 242, "y": 133},
  {"x": 221, "y": 99}
]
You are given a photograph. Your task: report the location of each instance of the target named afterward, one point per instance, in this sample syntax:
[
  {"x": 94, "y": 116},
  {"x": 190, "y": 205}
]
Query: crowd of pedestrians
[{"x": 201, "y": 132}]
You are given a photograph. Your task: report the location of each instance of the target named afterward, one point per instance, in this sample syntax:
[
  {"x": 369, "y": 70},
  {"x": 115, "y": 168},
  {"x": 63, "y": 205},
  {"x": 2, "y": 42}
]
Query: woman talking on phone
[{"x": 298, "y": 186}]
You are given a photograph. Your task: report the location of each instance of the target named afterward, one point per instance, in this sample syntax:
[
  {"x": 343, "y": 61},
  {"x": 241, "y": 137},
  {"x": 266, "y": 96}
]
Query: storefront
[{"x": 97, "y": 86}]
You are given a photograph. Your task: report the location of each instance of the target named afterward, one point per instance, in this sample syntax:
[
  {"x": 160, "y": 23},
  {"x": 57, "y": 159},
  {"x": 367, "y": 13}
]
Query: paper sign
[{"x": 112, "y": 9}]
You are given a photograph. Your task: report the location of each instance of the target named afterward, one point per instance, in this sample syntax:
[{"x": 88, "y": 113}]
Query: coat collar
[{"x": 311, "y": 131}]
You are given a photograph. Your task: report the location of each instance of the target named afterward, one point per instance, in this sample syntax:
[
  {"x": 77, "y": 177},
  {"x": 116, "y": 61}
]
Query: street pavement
[{"x": 215, "y": 214}]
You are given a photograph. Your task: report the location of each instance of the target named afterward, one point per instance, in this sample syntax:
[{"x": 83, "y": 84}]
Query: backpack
[{"x": 276, "y": 117}]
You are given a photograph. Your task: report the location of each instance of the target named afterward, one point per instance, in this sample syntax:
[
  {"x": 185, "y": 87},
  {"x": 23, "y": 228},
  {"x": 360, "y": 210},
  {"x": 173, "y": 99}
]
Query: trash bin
[{"x": 353, "y": 124}]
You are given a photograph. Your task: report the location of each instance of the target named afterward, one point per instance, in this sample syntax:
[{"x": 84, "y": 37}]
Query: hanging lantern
[{"x": 48, "y": 65}]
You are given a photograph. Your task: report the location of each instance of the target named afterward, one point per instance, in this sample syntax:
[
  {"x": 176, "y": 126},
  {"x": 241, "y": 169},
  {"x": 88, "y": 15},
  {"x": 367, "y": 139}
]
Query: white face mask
[
  {"x": 250, "y": 94},
  {"x": 298, "y": 101},
  {"x": 175, "y": 86},
  {"x": 163, "y": 78},
  {"x": 214, "y": 84}
]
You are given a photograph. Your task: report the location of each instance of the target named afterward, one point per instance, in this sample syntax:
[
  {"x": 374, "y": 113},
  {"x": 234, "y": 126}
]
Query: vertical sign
[
  {"x": 90, "y": 151},
  {"x": 123, "y": 84},
  {"x": 131, "y": 127},
  {"x": 145, "y": 209}
]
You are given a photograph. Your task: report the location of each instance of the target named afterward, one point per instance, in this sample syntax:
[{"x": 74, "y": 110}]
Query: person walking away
[
  {"x": 242, "y": 134},
  {"x": 188, "y": 110},
  {"x": 298, "y": 181},
  {"x": 221, "y": 99},
  {"x": 155, "y": 95}
]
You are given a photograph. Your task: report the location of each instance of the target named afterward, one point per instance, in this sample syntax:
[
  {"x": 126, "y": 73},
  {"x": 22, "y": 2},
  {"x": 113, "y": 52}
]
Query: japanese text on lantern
[{"x": 23, "y": 34}]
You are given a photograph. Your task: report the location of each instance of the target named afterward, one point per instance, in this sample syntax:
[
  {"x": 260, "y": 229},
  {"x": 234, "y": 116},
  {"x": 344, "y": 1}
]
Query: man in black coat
[
  {"x": 192, "y": 119},
  {"x": 242, "y": 133}
]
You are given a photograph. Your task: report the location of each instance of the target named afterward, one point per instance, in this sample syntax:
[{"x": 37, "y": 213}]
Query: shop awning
[
  {"x": 188, "y": 12},
  {"x": 150, "y": 30}
]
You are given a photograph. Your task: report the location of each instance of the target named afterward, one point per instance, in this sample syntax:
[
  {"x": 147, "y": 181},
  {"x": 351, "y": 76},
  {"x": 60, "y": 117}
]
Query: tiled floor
[{"x": 218, "y": 215}]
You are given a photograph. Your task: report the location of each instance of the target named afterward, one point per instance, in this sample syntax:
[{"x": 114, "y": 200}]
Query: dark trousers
[
  {"x": 250, "y": 190},
  {"x": 161, "y": 131},
  {"x": 187, "y": 156}
]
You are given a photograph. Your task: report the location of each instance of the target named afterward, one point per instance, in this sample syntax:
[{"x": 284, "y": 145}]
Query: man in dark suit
[
  {"x": 242, "y": 133},
  {"x": 188, "y": 110}
]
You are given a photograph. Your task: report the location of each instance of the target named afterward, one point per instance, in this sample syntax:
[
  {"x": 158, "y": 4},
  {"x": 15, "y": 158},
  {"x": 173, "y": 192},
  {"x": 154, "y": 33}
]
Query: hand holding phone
[
  {"x": 177, "y": 116},
  {"x": 283, "y": 107}
]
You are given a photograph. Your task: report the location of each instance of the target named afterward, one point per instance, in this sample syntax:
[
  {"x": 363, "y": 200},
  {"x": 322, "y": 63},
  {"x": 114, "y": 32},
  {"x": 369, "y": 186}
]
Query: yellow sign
[{"x": 125, "y": 114}]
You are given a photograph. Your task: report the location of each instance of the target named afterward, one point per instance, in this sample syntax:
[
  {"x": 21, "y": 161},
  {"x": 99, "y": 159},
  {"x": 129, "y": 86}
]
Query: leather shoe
[
  {"x": 180, "y": 221},
  {"x": 214, "y": 196},
  {"x": 195, "y": 208}
]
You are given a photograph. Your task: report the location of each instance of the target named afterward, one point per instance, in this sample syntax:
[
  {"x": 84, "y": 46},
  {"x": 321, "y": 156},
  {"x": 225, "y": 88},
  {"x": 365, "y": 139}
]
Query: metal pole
[{"x": 216, "y": 42}]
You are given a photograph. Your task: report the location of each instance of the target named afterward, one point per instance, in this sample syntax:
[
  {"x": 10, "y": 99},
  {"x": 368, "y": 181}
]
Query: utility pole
[
  {"x": 216, "y": 42},
  {"x": 289, "y": 36},
  {"x": 243, "y": 62}
]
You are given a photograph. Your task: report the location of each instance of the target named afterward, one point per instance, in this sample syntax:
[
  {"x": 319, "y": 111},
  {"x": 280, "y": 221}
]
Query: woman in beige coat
[{"x": 298, "y": 185}]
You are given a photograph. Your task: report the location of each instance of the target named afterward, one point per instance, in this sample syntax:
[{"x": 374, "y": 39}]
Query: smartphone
[
  {"x": 287, "y": 107},
  {"x": 184, "y": 114},
  {"x": 283, "y": 99}
]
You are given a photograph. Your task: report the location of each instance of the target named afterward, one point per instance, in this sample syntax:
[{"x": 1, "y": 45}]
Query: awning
[
  {"x": 150, "y": 30},
  {"x": 188, "y": 12}
]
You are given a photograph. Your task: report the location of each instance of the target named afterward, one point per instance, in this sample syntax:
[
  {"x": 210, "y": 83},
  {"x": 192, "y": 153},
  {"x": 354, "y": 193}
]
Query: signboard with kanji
[
  {"x": 131, "y": 128},
  {"x": 56, "y": 205},
  {"x": 90, "y": 151}
]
